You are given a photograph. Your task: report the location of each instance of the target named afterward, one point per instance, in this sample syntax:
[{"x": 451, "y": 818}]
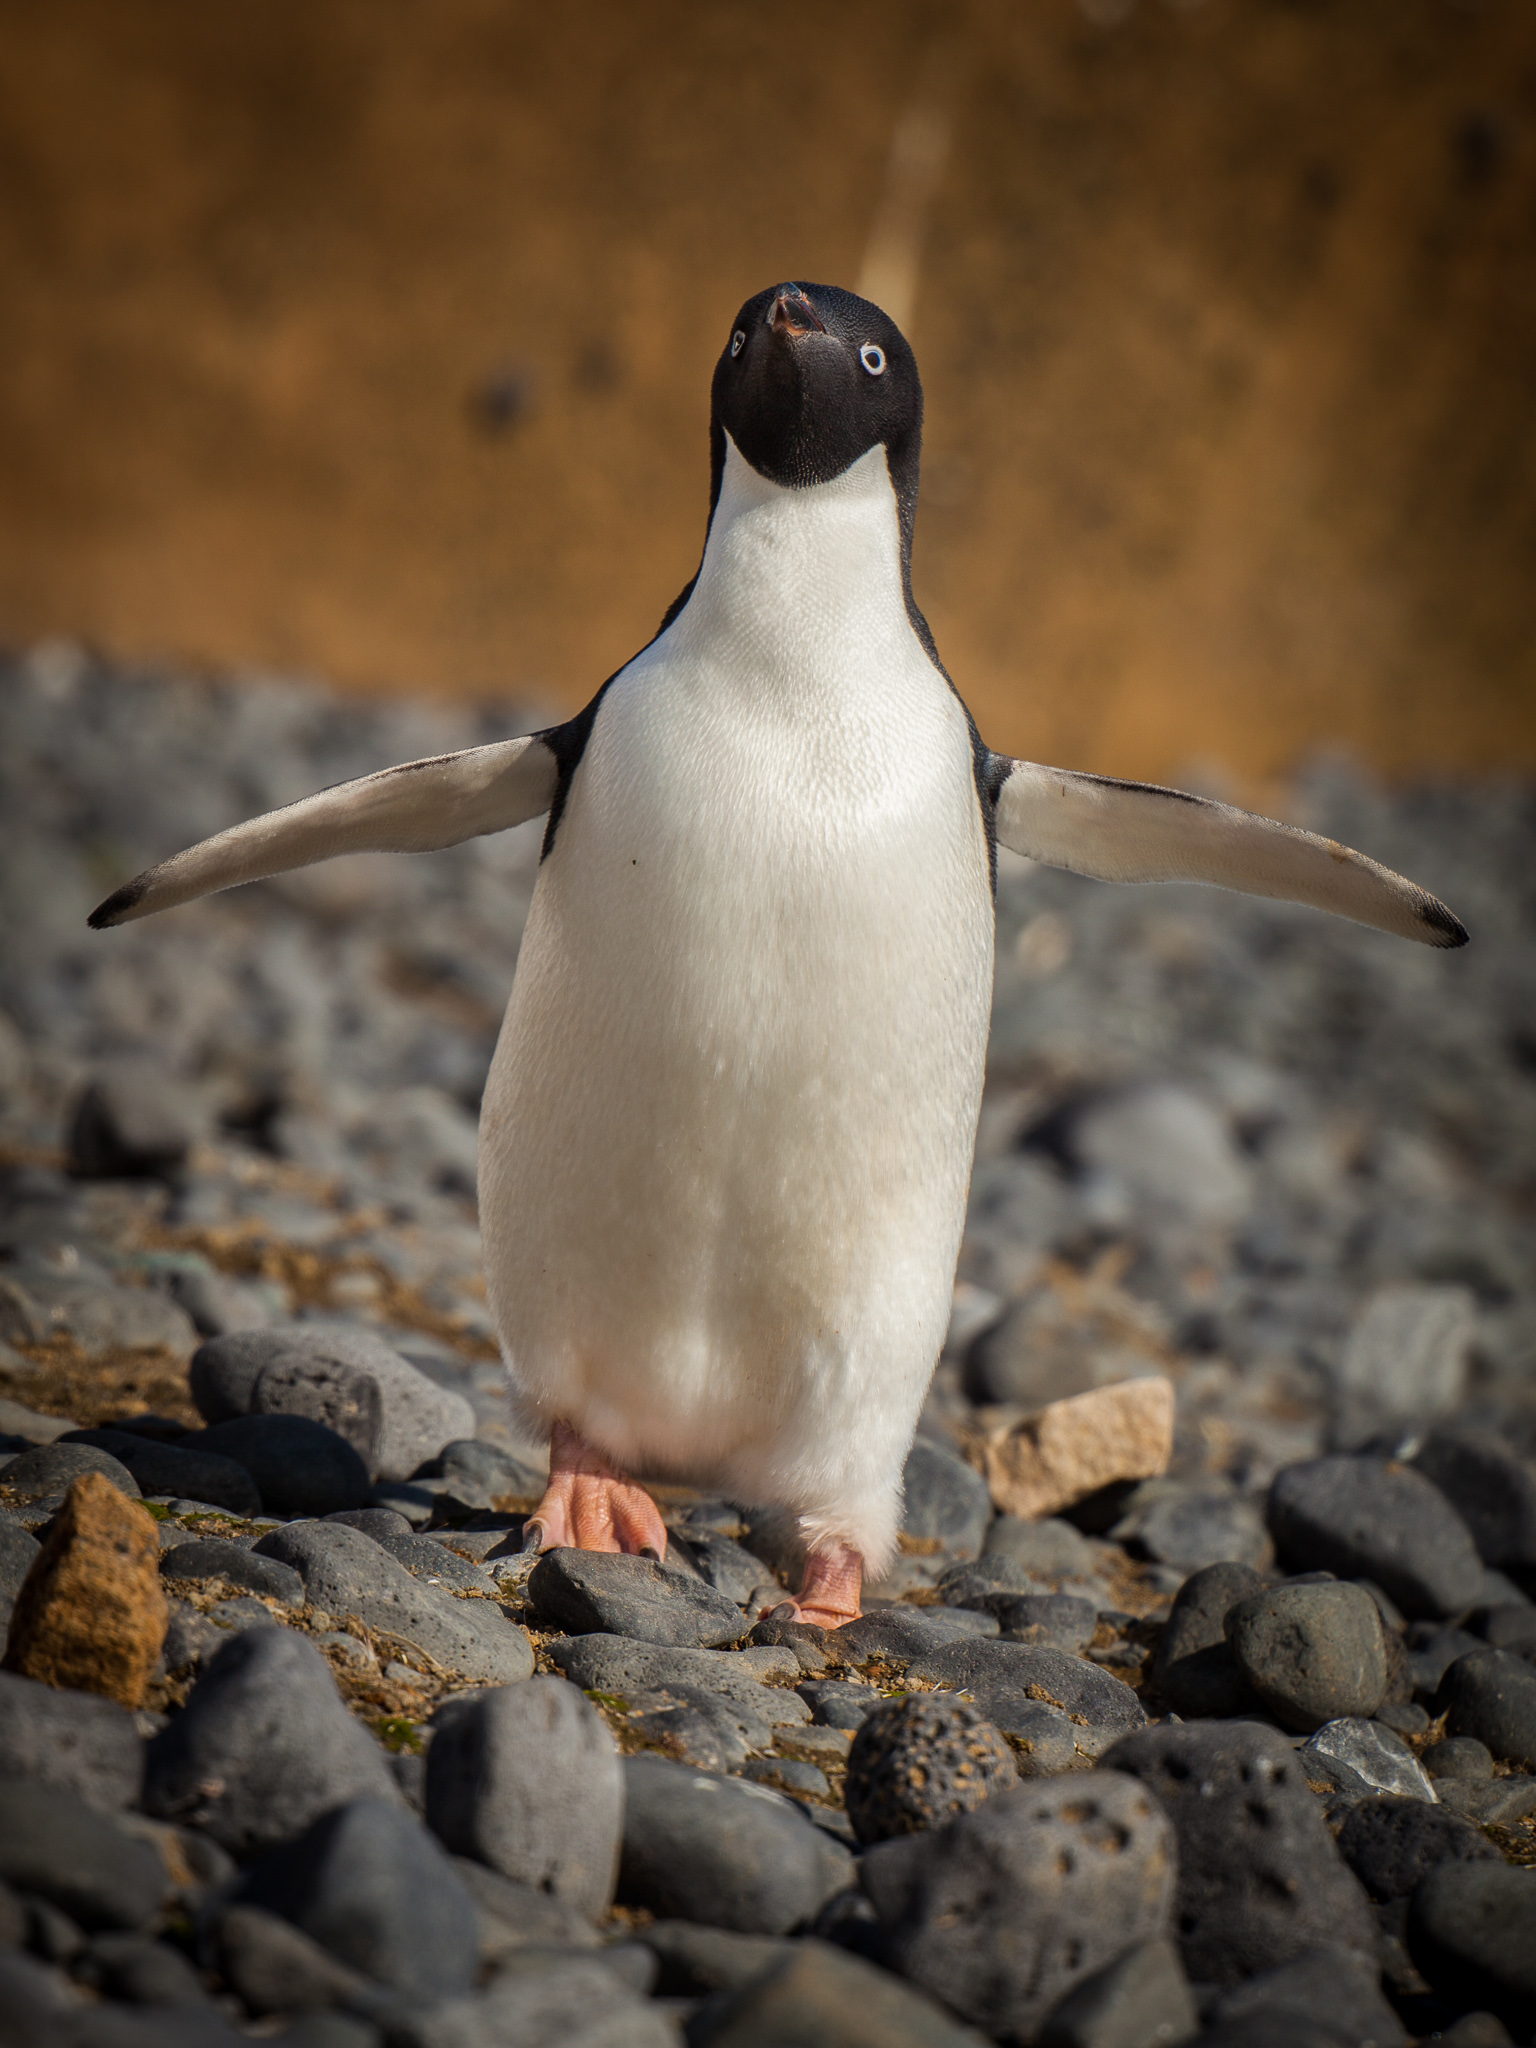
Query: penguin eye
[
  {"x": 873, "y": 359},
  {"x": 738, "y": 342}
]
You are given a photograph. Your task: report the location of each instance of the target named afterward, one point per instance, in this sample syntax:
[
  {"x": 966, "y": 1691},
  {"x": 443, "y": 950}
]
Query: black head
[{"x": 812, "y": 378}]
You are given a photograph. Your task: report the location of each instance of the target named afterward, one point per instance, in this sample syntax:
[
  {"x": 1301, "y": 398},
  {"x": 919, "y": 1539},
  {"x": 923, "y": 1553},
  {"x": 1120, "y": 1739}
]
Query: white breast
[{"x": 727, "y": 1134}]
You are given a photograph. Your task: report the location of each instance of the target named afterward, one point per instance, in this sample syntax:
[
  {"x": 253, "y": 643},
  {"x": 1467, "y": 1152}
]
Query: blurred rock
[
  {"x": 1489, "y": 1486},
  {"x": 1367, "y": 1518},
  {"x": 91, "y": 1613},
  {"x": 1407, "y": 1358},
  {"x": 133, "y": 1121}
]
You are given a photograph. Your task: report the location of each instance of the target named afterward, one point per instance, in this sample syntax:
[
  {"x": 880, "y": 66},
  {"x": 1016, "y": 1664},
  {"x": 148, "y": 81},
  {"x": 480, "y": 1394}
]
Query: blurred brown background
[{"x": 373, "y": 340}]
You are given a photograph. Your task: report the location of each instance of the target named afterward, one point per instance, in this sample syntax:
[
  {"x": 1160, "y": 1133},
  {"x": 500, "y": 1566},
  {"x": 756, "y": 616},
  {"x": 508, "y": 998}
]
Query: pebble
[
  {"x": 1047, "y": 1549},
  {"x": 1379, "y": 1758},
  {"x": 132, "y": 1120},
  {"x": 300, "y": 1467},
  {"x": 1390, "y": 1844},
  {"x": 1460, "y": 1757},
  {"x": 1364, "y": 1517},
  {"x": 696, "y": 1726},
  {"x": 722, "y": 1852},
  {"x": 526, "y": 1779},
  {"x": 580, "y": 2002},
  {"x": 1191, "y": 1526},
  {"x": 1140, "y": 2000},
  {"x": 944, "y": 1500},
  {"x": 212, "y": 1557},
  {"x": 1074, "y": 1447},
  {"x": 263, "y": 1747},
  {"x": 1432, "y": 1650},
  {"x": 1491, "y": 1695},
  {"x": 74, "y": 1741},
  {"x": 812, "y": 1646},
  {"x": 19, "y": 1550},
  {"x": 38, "y": 1480},
  {"x": 906, "y": 1632},
  {"x": 1312, "y": 1653},
  {"x": 423, "y": 1558},
  {"x": 1193, "y": 1665},
  {"x": 1335, "y": 1990},
  {"x": 344, "y": 1572},
  {"x": 1259, "y": 1879},
  {"x": 168, "y": 1469},
  {"x": 83, "y": 1863},
  {"x": 727, "y": 1566},
  {"x": 1472, "y": 1931},
  {"x": 1407, "y": 1356},
  {"x": 91, "y": 1613},
  {"x": 475, "y": 1474},
  {"x": 815, "y": 1994},
  {"x": 997, "y": 1674},
  {"x": 610, "y": 1664},
  {"x": 1003, "y": 1911},
  {"x": 586, "y": 1591},
  {"x": 918, "y": 1761},
  {"x": 274, "y": 1968},
  {"x": 1490, "y": 1487},
  {"x": 368, "y": 1884},
  {"x": 1058, "y": 1619},
  {"x": 836, "y": 1704},
  {"x": 795, "y": 1776}
]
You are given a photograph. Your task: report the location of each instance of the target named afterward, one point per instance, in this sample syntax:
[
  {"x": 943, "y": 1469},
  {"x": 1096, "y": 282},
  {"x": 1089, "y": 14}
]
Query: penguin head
[{"x": 812, "y": 378}]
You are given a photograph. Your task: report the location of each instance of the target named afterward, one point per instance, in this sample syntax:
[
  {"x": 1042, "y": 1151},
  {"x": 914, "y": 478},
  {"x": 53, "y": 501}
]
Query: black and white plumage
[{"x": 727, "y": 1134}]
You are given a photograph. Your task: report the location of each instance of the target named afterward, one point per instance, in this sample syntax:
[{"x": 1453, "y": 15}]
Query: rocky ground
[{"x": 296, "y": 1741}]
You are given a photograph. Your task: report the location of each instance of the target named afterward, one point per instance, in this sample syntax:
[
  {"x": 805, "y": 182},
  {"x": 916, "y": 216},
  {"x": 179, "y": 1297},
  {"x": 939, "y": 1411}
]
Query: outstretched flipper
[
  {"x": 1138, "y": 832},
  {"x": 414, "y": 808}
]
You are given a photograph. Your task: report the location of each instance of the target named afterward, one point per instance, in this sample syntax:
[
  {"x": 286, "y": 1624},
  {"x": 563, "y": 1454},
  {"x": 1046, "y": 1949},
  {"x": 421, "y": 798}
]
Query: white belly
[{"x": 727, "y": 1134}]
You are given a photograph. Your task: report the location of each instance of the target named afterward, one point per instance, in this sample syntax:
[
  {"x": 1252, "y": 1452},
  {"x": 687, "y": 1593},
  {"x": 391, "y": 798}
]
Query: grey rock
[
  {"x": 726, "y": 1853},
  {"x": 1368, "y": 1518},
  {"x": 1140, "y": 2000},
  {"x": 330, "y": 1390},
  {"x": 55, "y": 1846},
  {"x": 1046, "y": 1549},
  {"x": 902, "y": 1632},
  {"x": 1504, "y": 1803},
  {"x": 71, "y": 1741},
  {"x": 39, "y": 1479},
  {"x": 139, "y": 1971},
  {"x": 1490, "y": 1487},
  {"x": 263, "y": 1746},
  {"x": 695, "y": 1961},
  {"x": 1491, "y": 1695},
  {"x": 40, "y": 2004},
  {"x": 1334, "y": 1989},
  {"x": 212, "y": 1557},
  {"x": 1461, "y": 1757},
  {"x": 1377, "y": 1756},
  {"x": 795, "y": 1776},
  {"x": 727, "y": 1566},
  {"x": 133, "y": 1121},
  {"x": 816, "y": 1996},
  {"x": 218, "y": 1305},
  {"x": 16, "y": 1420},
  {"x": 580, "y": 2003},
  {"x": 585, "y": 1591},
  {"x": 918, "y": 1761},
  {"x": 1193, "y": 1666},
  {"x": 168, "y": 1469},
  {"x": 986, "y": 1670},
  {"x": 272, "y": 1967},
  {"x": 810, "y": 1644},
  {"x": 370, "y": 1885},
  {"x": 1390, "y": 1844},
  {"x": 1260, "y": 1881},
  {"x": 300, "y": 1467},
  {"x": 1407, "y": 1356},
  {"x": 1004, "y": 1911},
  {"x": 477, "y": 1474},
  {"x": 527, "y": 1779},
  {"x": 38, "y": 1300},
  {"x": 1433, "y": 1650},
  {"x": 1472, "y": 1931},
  {"x": 18, "y": 1548},
  {"x": 1170, "y": 1149},
  {"x": 192, "y": 1637},
  {"x": 1193, "y": 1526},
  {"x": 836, "y": 1704},
  {"x": 346, "y": 1573},
  {"x": 944, "y": 1500},
  {"x": 432, "y": 1562},
  {"x": 1510, "y": 1626},
  {"x": 1043, "y": 1739},
  {"x": 515, "y": 1916},
  {"x": 1059, "y": 1620},
  {"x": 697, "y": 1727},
  {"x": 1312, "y": 1653},
  {"x": 611, "y": 1664}
]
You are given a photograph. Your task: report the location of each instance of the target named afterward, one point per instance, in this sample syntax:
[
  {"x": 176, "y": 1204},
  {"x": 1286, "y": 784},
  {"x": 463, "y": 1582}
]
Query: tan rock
[
  {"x": 1047, "y": 1461},
  {"x": 91, "y": 1613}
]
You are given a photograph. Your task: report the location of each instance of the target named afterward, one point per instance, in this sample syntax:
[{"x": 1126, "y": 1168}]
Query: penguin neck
[{"x": 794, "y": 575}]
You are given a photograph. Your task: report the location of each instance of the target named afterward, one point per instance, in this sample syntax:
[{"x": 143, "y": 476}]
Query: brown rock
[
  {"x": 1044, "y": 1463},
  {"x": 91, "y": 1613}
]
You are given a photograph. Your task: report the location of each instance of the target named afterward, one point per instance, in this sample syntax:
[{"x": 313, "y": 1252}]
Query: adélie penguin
[{"x": 727, "y": 1134}]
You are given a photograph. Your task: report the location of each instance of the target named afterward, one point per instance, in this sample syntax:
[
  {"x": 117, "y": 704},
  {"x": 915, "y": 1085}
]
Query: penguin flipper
[
  {"x": 1139, "y": 832},
  {"x": 415, "y": 808}
]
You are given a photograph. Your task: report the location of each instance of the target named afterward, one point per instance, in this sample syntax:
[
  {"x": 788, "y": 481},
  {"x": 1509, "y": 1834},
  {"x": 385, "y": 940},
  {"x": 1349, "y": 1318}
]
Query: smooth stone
[
  {"x": 27, "y": 1423},
  {"x": 345, "y": 1572},
  {"x": 566, "y": 2000},
  {"x": 72, "y": 1741},
  {"x": 1407, "y": 1356},
  {"x": 1059, "y": 1620},
  {"x": 1192, "y": 1665},
  {"x": 721, "y": 1851},
  {"x": 1312, "y": 1653},
  {"x": 135, "y": 1120},
  {"x": 1489, "y": 1485},
  {"x": 944, "y": 1500},
  {"x": 696, "y": 1961},
  {"x": 1365, "y": 1517},
  {"x": 794, "y": 1776},
  {"x": 1259, "y": 1879},
  {"x": 1051, "y": 1677},
  {"x": 902, "y": 1633},
  {"x": 431, "y": 1562},
  {"x": 40, "y": 1478},
  {"x": 527, "y": 1779},
  {"x": 1509, "y": 1627},
  {"x": 139, "y": 1971},
  {"x": 192, "y": 1637},
  {"x": 55, "y": 1846},
  {"x": 1390, "y": 1844},
  {"x": 1491, "y": 1696},
  {"x": 300, "y": 1467},
  {"x": 811, "y": 1645},
  {"x": 1005, "y": 1910},
  {"x": 19, "y": 1551},
  {"x": 1049, "y": 1548},
  {"x": 272, "y": 1967},
  {"x": 211, "y": 1557},
  {"x": 613, "y": 1665},
  {"x": 1433, "y": 1649},
  {"x": 369, "y": 1884},
  {"x": 1472, "y": 1931},
  {"x": 694, "y": 1726},
  {"x": 263, "y": 1746},
  {"x": 168, "y": 1469},
  {"x": 836, "y": 1704},
  {"x": 1460, "y": 1757},
  {"x": 727, "y": 1566},
  {"x": 1140, "y": 2000},
  {"x": 816, "y": 1996},
  {"x": 1336, "y": 1989},
  {"x": 515, "y": 1916},
  {"x": 476, "y": 1474},
  {"x": 918, "y": 1761},
  {"x": 1375, "y": 1754},
  {"x": 585, "y": 1591},
  {"x": 217, "y": 1304}
]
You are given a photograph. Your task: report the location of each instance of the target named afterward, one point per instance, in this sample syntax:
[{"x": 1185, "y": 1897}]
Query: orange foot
[
  {"x": 829, "y": 1590},
  {"x": 589, "y": 1506}
]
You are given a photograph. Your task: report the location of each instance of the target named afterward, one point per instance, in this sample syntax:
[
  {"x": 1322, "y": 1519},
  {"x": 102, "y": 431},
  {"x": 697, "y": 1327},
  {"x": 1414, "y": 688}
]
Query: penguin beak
[{"x": 792, "y": 315}]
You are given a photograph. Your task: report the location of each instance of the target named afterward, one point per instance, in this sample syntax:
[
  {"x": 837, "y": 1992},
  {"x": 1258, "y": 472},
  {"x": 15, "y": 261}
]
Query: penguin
[{"x": 726, "y": 1139}]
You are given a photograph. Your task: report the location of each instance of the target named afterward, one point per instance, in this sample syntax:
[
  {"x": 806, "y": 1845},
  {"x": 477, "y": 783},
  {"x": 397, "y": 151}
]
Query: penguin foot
[
  {"x": 829, "y": 1590},
  {"x": 587, "y": 1505}
]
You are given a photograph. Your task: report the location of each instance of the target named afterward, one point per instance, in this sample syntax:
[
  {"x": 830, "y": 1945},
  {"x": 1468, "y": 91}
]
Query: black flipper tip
[
  {"x": 1448, "y": 928},
  {"x": 117, "y": 906}
]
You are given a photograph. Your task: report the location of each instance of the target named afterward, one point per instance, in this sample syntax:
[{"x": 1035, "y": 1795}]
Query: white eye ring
[
  {"x": 738, "y": 342},
  {"x": 873, "y": 359}
]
